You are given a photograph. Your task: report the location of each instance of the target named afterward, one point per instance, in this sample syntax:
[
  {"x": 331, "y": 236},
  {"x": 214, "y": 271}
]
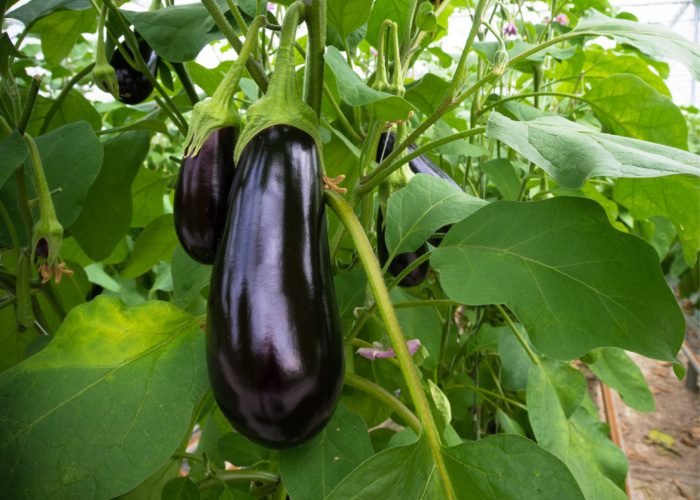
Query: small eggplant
[
  {"x": 201, "y": 195},
  {"x": 134, "y": 86},
  {"x": 274, "y": 344}
]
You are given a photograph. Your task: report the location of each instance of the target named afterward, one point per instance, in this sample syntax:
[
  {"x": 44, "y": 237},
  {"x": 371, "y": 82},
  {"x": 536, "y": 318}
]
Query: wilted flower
[
  {"x": 562, "y": 19},
  {"x": 377, "y": 350},
  {"x": 510, "y": 29}
]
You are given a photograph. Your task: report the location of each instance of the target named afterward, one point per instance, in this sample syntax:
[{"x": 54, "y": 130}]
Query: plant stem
[
  {"x": 376, "y": 282},
  {"x": 341, "y": 116},
  {"x": 254, "y": 68},
  {"x": 29, "y": 104},
  {"x": 518, "y": 335},
  {"x": 313, "y": 77},
  {"x": 492, "y": 394},
  {"x": 531, "y": 94},
  {"x": 385, "y": 397},
  {"x": 10, "y": 226},
  {"x": 62, "y": 96},
  {"x": 460, "y": 75},
  {"x": 187, "y": 84},
  {"x": 240, "y": 22}
]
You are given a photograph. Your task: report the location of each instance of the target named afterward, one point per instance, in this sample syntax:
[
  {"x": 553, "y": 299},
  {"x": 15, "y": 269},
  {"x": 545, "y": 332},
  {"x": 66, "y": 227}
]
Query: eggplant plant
[{"x": 328, "y": 250}]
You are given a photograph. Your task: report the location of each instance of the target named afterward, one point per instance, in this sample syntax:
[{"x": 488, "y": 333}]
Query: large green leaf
[
  {"x": 347, "y": 15},
  {"x": 425, "y": 205},
  {"x": 501, "y": 466},
  {"x": 578, "y": 439},
  {"x": 155, "y": 243},
  {"x": 312, "y": 470},
  {"x": 176, "y": 33},
  {"x": 116, "y": 389},
  {"x": 627, "y": 106},
  {"x": 654, "y": 39},
  {"x": 573, "y": 281},
  {"x": 147, "y": 193},
  {"x": 398, "y": 11},
  {"x": 355, "y": 92},
  {"x": 13, "y": 152},
  {"x": 427, "y": 93},
  {"x": 615, "y": 368},
  {"x": 106, "y": 214},
  {"x": 36, "y": 9},
  {"x": 61, "y": 30},
  {"x": 189, "y": 279},
  {"x": 675, "y": 197},
  {"x": 74, "y": 107},
  {"x": 571, "y": 152}
]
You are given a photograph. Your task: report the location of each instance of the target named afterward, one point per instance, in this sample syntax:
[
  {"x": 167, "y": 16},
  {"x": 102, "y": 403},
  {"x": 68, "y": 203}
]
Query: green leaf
[
  {"x": 654, "y": 39},
  {"x": 502, "y": 173},
  {"x": 574, "y": 282},
  {"x": 7, "y": 50},
  {"x": 500, "y": 466},
  {"x": 601, "y": 64},
  {"x": 155, "y": 243},
  {"x": 61, "y": 30},
  {"x": 347, "y": 15},
  {"x": 147, "y": 192},
  {"x": 425, "y": 205},
  {"x": 74, "y": 108},
  {"x": 176, "y": 33},
  {"x": 349, "y": 293},
  {"x": 313, "y": 469},
  {"x": 189, "y": 279},
  {"x": 180, "y": 488},
  {"x": 118, "y": 387},
  {"x": 106, "y": 213},
  {"x": 571, "y": 153},
  {"x": 597, "y": 464},
  {"x": 13, "y": 344},
  {"x": 615, "y": 368},
  {"x": 36, "y": 9},
  {"x": 427, "y": 93},
  {"x": 676, "y": 198},
  {"x": 152, "y": 487},
  {"x": 627, "y": 106},
  {"x": 354, "y": 92},
  {"x": 398, "y": 11},
  {"x": 13, "y": 151},
  {"x": 241, "y": 451},
  {"x": 515, "y": 363}
]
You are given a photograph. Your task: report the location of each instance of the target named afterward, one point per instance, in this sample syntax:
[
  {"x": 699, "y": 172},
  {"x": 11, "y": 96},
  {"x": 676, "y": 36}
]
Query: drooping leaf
[
  {"x": 515, "y": 363},
  {"x": 74, "y": 108},
  {"x": 398, "y": 11},
  {"x": 355, "y": 92},
  {"x": 13, "y": 151},
  {"x": 106, "y": 213},
  {"x": 501, "y": 466},
  {"x": 147, "y": 192},
  {"x": 427, "y": 93},
  {"x": 572, "y": 153},
  {"x": 189, "y": 279},
  {"x": 155, "y": 243},
  {"x": 675, "y": 197},
  {"x": 654, "y": 39},
  {"x": 347, "y": 15},
  {"x": 503, "y": 175},
  {"x": 627, "y": 106},
  {"x": 615, "y": 368},
  {"x": 119, "y": 382},
  {"x": 577, "y": 439},
  {"x": 313, "y": 469},
  {"x": 574, "y": 282},
  {"x": 425, "y": 205},
  {"x": 61, "y": 30},
  {"x": 36, "y": 9}
]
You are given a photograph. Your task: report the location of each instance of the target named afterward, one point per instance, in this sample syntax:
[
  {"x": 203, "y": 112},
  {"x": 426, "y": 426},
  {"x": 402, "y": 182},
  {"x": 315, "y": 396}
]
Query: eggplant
[
  {"x": 201, "y": 195},
  {"x": 134, "y": 86},
  {"x": 273, "y": 336}
]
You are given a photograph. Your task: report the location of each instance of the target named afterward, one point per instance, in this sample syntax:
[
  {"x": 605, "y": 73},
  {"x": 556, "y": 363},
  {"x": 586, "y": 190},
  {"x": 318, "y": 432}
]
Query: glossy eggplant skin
[
  {"x": 274, "y": 343},
  {"x": 134, "y": 87},
  {"x": 201, "y": 195}
]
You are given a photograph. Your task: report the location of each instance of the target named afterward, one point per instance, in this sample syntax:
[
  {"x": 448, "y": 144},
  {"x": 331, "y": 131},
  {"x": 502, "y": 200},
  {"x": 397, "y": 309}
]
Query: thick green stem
[
  {"x": 56, "y": 105},
  {"x": 254, "y": 68},
  {"x": 341, "y": 116},
  {"x": 29, "y": 104},
  {"x": 518, "y": 335},
  {"x": 460, "y": 75},
  {"x": 313, "y": 76},
  {"x": 383, "y": 396},
  {"x": 376, "y": 282},
  {"x": 187, "y": 84},
  {"x": 240, "y": 22}
]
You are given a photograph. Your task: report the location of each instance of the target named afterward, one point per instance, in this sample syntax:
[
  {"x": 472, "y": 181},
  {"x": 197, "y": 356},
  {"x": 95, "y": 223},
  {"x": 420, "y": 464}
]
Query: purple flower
[
  {"x": 377, "y": 350},
  {"x": 373, "y": 52},
  {"x": 562, "y": 19},
  {"x": 270, "y": 6},
  {"x": 510, "y": 29}
]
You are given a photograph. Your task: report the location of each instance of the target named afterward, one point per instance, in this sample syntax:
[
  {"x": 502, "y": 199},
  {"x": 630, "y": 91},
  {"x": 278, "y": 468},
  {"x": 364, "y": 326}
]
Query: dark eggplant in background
[
  {"x": 201, "y": 195},
  {"x": 274, "y": 343},
  {"x": 134, "y": 86}
]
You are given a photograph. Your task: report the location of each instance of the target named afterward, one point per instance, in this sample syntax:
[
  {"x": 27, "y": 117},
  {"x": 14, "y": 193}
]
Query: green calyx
[
  {"x": 389, "y": 30},
  {"x": 218, "y": 111},
  {"x": 399, "y": 177},
  {"x": 47, "y": 234},
  {"x": 282, "y": 105},
  {"x": 104, "y": 75}
]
